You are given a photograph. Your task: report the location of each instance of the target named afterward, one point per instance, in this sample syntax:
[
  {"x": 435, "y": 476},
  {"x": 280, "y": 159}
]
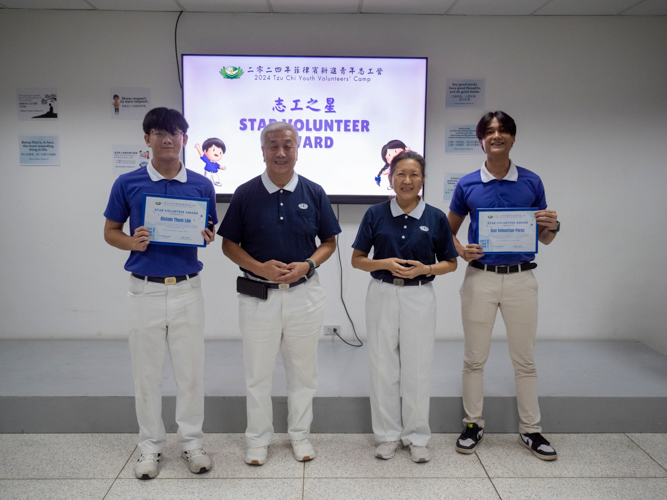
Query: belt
[
  {"x": 404, "y": 282},
  {"x": 284, "y": 286},
  {"x": 278, "y": 286},
  {"x": 168, "y": 280},
  {"x": 516, "y": 268}
]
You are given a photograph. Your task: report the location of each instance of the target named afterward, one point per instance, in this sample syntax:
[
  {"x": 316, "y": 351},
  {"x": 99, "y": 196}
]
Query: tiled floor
[{"x": 100, "y": 466}]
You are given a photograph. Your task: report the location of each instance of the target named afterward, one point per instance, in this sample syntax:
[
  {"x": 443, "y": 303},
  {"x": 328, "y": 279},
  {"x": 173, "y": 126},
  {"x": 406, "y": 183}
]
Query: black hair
[
  {"x": 213, "y": 141},
  {"x": 116, "y": 95},
  {"x": 408, "y": 155},
  {"x": 165, "y": 119},
  {"x": 505, "y": 120},
  {"x": 395, "y": 144}
]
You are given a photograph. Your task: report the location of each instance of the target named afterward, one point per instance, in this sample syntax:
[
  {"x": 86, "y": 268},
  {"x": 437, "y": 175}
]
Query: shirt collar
[
  {"x": 396, "y": 210},
  {"x": 272, "y": 188},
  {"x": 512, "y": 174},
  {"x": 155, "y": 176}
]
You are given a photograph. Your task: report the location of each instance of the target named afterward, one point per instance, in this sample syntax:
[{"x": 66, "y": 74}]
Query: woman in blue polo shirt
[{"x": 406, "y": 236}]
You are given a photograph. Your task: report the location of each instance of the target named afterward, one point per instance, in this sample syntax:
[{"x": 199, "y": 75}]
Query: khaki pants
[{"x": 482, "y": 294}]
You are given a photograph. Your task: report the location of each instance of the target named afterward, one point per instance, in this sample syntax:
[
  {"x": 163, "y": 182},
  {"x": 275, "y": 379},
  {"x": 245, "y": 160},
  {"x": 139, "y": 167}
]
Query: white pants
[
  {"x": 161, "y": 317},
  {"x": 289, "y": 320},
  {"x": 482, "y": 294},
  {"x": 400, "y": 325}
]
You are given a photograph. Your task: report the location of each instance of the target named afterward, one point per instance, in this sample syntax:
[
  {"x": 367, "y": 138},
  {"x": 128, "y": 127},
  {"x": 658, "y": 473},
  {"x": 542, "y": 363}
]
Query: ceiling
[{"x": 424, "y": 7}]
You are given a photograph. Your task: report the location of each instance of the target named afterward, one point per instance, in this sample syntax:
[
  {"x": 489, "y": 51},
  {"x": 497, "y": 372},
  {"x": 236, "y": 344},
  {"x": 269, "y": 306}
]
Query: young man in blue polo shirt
[
  {"x": 269, "y": 231},
  {"x": 502, "y": 281},
  {"x": 166, "y": 304}
]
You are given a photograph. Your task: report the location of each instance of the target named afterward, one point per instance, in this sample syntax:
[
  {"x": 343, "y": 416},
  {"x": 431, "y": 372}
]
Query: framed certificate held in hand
[
  {"x": 175, "y": 220},
  {"x": 507, "y": 230}
]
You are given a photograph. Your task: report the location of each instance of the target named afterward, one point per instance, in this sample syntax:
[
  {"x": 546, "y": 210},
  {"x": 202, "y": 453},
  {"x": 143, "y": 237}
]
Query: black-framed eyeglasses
[{"x": 162, "y": 135}]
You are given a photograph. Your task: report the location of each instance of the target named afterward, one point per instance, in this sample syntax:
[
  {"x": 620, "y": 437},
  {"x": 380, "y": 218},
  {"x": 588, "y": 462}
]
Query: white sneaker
[
  {"x": 146, "y": 466},
  {"x": 256, "y": 456},
  {"x": 419, "y": 454},
  {"x": 387, "y": 450},
  {"x": 198, "y": 460},
  {"x": 303, "y": 450}
]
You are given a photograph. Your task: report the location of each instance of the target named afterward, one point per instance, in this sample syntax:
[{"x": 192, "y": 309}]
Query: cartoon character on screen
[
  {"x": 210, "y": 153},
  {"x": 116, "y": 104},
  {"x": 389, "y": 150}
]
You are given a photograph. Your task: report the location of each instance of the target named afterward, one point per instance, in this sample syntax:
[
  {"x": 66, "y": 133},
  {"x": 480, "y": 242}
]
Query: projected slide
[{"x": 353, "y": 115}]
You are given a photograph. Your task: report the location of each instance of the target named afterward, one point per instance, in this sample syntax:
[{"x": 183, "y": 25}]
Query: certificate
[
  {"x": 507, "y": 230},
  {"x": 175, "y": 220}
]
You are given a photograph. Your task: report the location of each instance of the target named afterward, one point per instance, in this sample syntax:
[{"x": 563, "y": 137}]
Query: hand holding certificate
[
  {"x": 175, "y": 220},
  {"x": 507, "y": 230}
]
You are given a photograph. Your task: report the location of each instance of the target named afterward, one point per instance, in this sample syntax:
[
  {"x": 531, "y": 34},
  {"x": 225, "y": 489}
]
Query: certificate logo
[
  {"x": 489, "y": 216},
  {"x": 303, "y": 206},
  {"x": 158, "y": 203},
  {"x": 231, "y": 72},
  {"x": 424, "y": 228}
]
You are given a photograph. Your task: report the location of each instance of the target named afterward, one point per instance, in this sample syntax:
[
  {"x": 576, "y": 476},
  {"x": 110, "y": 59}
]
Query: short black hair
[
  {"x": 213, "y": 141},
  {"x": 165, "y": 119},
  {"x": 505, "y": 120},
  {"x": 408, "y": 155}
]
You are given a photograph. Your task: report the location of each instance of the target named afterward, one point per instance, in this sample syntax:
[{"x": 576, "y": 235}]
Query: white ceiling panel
[
  {"x": 315, "y": 6},
  {"x": 406, "y": 7},
  {"x": 585, "y": 7},
  {"x": 496, "y": 7},
  {"x": 648, "y": 8},
  {"x": 144, "y": 5},
  {"x": 224, "y": 5},
  {"x": 46, "y": 4}
]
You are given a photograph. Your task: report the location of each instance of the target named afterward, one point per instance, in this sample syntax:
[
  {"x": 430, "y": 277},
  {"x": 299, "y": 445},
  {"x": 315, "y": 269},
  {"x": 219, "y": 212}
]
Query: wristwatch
[
  {"x": 312, "y": 265},
  {"x": 557, "y": 228}
]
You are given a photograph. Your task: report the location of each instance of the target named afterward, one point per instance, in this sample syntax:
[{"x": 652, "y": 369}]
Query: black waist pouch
[{"x": 252, "y": 288}]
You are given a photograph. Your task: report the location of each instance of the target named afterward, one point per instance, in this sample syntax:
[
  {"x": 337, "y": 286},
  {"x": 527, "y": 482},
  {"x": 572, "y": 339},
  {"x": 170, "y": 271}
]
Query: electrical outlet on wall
[{"x": 331, "y": 329}]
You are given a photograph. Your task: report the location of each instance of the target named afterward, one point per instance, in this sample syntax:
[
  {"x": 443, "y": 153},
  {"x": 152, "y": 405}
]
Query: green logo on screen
[
  {"x": 490, "y": 216},
  {"x": 158, "y": 203},
  {"x": 231, "y": 72}
]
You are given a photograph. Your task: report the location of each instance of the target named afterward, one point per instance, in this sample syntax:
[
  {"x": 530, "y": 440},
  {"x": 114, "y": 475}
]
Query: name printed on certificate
[
  {"x": 507, "y": 230},
  {"x": 175, "y": 220}
]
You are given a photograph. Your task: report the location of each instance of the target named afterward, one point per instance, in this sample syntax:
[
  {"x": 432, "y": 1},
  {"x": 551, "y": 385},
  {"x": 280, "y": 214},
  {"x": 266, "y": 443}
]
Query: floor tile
[
  {"x": 227, "y": 452},
  {"x": 352, "y": 455},
  {"x": 653, "y": 444},
  {"x": 54, "y": 489},
  {"x": 581, "y": 489},
  {"x": 399, "y": 489},
  {"x": 218, "y": 489},
  {"x": 579, "y": 455},
  {"x": 60, "y": 456}
]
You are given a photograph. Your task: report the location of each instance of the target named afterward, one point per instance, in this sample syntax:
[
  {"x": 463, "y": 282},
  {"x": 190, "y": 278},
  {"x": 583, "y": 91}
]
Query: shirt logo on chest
[
  {"x": 423, "y": 228},
  {"x": 303, "y": 206}
]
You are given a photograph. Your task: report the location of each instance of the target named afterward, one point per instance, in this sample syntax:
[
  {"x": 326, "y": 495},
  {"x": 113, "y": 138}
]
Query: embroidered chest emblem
[
  {"x": 423, "y": 228},
  {"x": 303, "y": 206}
]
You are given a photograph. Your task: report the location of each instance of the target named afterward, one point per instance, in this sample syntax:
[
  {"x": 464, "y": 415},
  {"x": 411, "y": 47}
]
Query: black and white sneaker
[
  {"x": 469, "y": 439},
  {"x": 540, "y": 447}
]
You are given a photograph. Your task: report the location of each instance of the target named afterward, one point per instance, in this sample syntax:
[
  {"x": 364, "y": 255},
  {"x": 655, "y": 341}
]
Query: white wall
[{"x": 588, "y": 95}]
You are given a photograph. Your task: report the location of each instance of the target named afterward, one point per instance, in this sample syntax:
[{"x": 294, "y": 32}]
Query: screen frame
[{"x": 336, "y": 199}]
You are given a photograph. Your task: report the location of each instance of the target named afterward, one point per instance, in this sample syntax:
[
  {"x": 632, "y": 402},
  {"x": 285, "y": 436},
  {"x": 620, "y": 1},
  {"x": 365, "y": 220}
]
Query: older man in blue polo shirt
[
  {"x": 500, "y": 281},
  {"x": 166, "y": 304},
  {"x": 269, "y": 231}
]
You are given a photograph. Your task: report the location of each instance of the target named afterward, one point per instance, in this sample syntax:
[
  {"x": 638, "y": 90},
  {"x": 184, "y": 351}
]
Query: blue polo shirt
[
  {"x": 421, "y": 235},
  {"x": 520, "y": 188},
  {"x": 126, "y": 200},
  {"x": 279, "y": 223}
]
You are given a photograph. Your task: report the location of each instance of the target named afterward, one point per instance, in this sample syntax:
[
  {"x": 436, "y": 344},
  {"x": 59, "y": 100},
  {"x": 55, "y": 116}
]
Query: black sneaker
[
  {"x": 469, "y": 439},
  {"x": 540, "y": 447}
]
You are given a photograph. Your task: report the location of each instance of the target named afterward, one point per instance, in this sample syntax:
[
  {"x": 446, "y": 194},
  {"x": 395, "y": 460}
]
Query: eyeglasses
[{"x": 162, "y": 135}]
